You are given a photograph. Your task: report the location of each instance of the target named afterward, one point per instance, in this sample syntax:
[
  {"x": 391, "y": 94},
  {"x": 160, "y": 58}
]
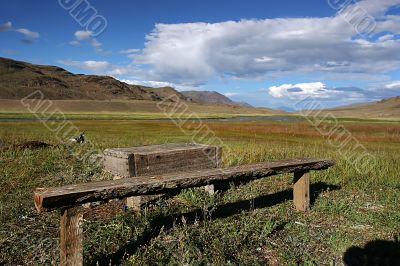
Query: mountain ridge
[
  {"x": 19, "y": 79},
  {"x": 213, "y": 97},
  {"x": 385, "y": 108}
]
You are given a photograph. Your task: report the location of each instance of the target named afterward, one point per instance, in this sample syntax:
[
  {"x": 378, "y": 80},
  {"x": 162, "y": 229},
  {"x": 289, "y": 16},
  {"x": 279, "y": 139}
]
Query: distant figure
[{"x": 79, "y": 139}]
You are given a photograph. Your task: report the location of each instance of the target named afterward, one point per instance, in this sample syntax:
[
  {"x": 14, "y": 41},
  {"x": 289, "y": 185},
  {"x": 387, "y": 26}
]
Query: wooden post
[
  {"x": 133, "y": 203},
  {"x": 71, "y": 237},
  {"x": 209, "y": 189},
  {"x": 301, "y": 191}
]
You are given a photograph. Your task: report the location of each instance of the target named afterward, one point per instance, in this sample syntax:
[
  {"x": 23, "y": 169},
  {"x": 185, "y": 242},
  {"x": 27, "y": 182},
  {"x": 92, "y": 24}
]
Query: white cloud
[
  {"x": 230, "y": 94},
  {"x": 96, "y": 44},
  {"x": 194, "y": 52},
  {"x": 87, "y": 65},
  {"x": 307, "y": 89},
  {"x": 81, "y": 35},
  {"x": 315, "y": 90},
  {"x": 393, "y": 85},
  {"x": 130, "y": 51},
  {"x": 28, "y": 33},
  {"x": 148, "y": 83},
  {"x": 158, "y": 84},
  {"x": 6, "y": 26}
]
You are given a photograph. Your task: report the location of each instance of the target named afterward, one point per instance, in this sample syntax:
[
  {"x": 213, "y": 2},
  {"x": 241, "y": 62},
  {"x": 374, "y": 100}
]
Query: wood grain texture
[
  {"x": 157, "y": 160},
  {"x": 153, "y": 149},
  {"x": 301, "y": 191},
  {"x": 160, "y": 159},
  {"x": 71, "y": 237},
  {"x": 73, "y": 195},
  {"x": 119, "y": 166}
]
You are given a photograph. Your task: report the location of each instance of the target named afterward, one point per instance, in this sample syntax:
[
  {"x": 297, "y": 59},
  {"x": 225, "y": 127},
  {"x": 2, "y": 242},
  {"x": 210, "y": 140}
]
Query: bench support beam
[
  {"x": 71, "y": 237},
  {"x": 301, "y": 191}
]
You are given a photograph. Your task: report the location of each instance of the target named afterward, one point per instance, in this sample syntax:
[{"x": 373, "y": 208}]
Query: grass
[
  {"x": 249, "y": 224},
  {"x": 15, "y": 116},
  {"x": 124, "y": 107}
]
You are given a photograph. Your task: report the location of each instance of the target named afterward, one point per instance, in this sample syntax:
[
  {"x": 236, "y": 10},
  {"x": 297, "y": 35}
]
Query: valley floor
[{"x": 249, "y": 224}]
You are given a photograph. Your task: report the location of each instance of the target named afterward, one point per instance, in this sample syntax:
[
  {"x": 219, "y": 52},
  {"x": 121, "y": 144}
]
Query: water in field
[{"x": 275, "y": 118}]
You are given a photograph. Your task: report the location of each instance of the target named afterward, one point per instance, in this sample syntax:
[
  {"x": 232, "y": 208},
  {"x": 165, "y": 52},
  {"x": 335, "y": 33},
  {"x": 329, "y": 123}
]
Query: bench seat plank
[{"x": 47, "y": 199}]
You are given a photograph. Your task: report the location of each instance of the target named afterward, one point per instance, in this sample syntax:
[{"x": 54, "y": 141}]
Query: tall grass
[{"x": 248, "y": 224}]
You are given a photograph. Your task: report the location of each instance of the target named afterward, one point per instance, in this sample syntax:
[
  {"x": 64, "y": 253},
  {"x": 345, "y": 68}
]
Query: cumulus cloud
[
  {"x": 29, "y": 35},
  {"x": 86, "y": 36},
  {"x": 193, "y": 52},
  {"x": 81, "y": 35},
  {"x": 315, "y": 90}
]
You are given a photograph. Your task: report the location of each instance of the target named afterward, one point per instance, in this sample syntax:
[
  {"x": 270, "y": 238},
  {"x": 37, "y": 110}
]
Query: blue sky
[{"x": 267, "y": 53}]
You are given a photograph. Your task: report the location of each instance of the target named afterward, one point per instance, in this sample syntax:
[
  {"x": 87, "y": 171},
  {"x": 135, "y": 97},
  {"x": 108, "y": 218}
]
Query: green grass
[{"x": 249, "y": 224}]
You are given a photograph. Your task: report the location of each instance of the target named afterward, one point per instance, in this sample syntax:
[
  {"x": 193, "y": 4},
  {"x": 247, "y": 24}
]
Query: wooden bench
[{"x": 69, "y": 198}]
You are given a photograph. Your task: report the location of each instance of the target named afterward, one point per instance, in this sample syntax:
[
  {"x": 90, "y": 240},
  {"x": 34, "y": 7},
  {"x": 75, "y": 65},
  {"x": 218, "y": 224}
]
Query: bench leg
[
  {"x": 134, "y": 203},
  {"x": 209, "y": 189},
  {"x": 71, "y": 237},
  {"x": 301, "y": 191}
]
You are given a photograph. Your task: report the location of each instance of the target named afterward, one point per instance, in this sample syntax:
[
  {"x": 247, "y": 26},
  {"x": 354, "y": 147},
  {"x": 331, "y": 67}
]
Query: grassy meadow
[{"x": 248, "y": 224}]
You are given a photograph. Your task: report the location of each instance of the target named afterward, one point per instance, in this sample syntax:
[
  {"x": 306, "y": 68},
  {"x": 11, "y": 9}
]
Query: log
[{"x": 47, "y": 199}]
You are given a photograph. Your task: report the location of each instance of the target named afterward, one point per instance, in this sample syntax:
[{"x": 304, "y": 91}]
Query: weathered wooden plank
[
  {"x": 301, "y": 191},
  {"x": 71, "y": 237},
  {"x": 176, "y": 161},
  {"x": 154, "y": 149},
  {"x": 119, "y": 166},
  {"x": 72, "y": 195},
  {"x": 159, "y": 159}
]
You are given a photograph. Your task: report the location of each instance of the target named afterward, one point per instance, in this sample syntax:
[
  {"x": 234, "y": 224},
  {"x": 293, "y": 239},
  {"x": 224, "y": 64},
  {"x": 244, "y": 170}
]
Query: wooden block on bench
[{"x": 158, "y": 160}]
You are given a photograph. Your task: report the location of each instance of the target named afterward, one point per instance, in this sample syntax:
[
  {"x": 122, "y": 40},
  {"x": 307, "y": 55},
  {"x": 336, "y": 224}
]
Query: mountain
[
  {"x": 71, "y": 92},
  {"x": 168, "y": 93},
  {"x": 387, "y": 108},
  {"x": 244, "y": 104},
  {"x": 286, "y": 108},
  {"x": 207, "y": 97},
  {"x": 19, "y": 79},
  {"x": 212, "y": 97}
]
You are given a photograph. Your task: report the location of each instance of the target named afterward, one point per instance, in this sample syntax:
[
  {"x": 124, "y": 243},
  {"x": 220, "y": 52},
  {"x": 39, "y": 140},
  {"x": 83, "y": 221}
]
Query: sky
[{"x": 267, "y": 53}]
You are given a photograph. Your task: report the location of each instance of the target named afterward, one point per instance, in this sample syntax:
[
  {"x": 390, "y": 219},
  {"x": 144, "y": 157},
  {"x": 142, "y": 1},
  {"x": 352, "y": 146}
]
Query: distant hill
[
  {"x": 167, "y": 92},
  {"x": 90, "y": 93},
  {"x": 212, "y": 97},
  {"x": 386, "y": 108},
  {"x": 19, "y": 79}
]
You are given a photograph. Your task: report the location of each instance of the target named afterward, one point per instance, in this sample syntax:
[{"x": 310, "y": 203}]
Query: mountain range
[
  {"x": 19, "y": 79},
  {"x": 85, "y": 92}
]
